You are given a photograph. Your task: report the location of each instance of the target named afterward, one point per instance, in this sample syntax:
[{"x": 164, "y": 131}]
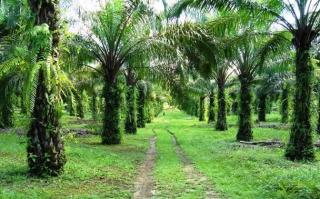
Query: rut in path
[
  {"x": 193, "y": 175},
  {"x": 144, "y": 184}
]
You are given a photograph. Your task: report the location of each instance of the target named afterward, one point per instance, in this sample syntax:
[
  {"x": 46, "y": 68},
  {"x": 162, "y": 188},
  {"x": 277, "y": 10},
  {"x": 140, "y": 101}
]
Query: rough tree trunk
[
  {"x": 201, "y": 108},
  {"x": 149, "y": 112},
  {"x": 318, "y": 124},
  {"x": 300, "y": 145},
  {"x": 94, "y": 106},
  {"x": 71, "y": 107},
  {"x": 221, "y": 124},
  {"x": 141, "y": 121},
  {"x": 196, "y": 110},
  {"x": 7, "y": 111},
  {"x": 45, "y": 148},
  {"x": 131, "y": 116},
  {"x": 285, "y": 104},
  {"x": 262, "y": 108},
  {"x": 245, "y": 131},
  {"x": 111, "y": 133},
  {"x": 211, "y": 115},
  {"x": 79, "y": 106}
]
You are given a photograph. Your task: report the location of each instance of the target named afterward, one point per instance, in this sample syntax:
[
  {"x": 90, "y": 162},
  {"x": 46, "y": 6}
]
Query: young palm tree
[
  {"x": 270, "y": 82},
  {"x": 131, "y": 100},
  {"x": 285, "y": 103},
  {"x": 142, "y": 94},
  {"x": 208, "y": 60},
  {"x": 211, "y": 113},
  {"x": 118, "y": 33},
  {"x": 247, "y": 59},
  {"x": 202, "y": 88}
]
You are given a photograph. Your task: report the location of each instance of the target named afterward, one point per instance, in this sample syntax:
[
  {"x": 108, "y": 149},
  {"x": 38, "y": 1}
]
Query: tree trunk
[
  {"x": 221, "y": 124},
  {"x": 318, "y": 123},
  {"x": 45, "y": 148},
  {"x": 72, "y": 111},
  {"x": 79, "y": 106},
  {"x": 149, "y": 113},
  {"x": 7, "y": 111},
  {"x": 141, "y": 121},
  {"x": 300, "y": 145},
  {"x": 201, "y": 108},
  {"x": 111, "y": 133},
  {"x": 262, "y": 108},
  {"x": 94, "y": 106},
  {"x": 131, "y": 117},
  {"x": 196, "y": 109},
  {"x": 245, "y": 131},
  {"x": 285, "y": 104},
  {"x": 211, "y": 115},
  {"x": 234, "y": 107}
]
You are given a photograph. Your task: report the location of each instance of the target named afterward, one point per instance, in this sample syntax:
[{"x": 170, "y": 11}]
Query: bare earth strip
[
  {"x": 143, "y": 187},
  {"x": 193, "y": 175}
]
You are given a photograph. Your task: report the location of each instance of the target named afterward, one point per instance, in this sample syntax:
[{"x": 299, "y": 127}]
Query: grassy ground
[
  {"x": 92, "y": 170},
  {"x": 171, "y": 180},
  {"x": 245, "y": 172},
  {"x": 96, "y": 171}
]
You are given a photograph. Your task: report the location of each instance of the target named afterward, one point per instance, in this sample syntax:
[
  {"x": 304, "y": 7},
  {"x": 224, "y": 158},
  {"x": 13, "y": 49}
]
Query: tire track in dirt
[
  {"x": 193, "y": 175},
  {"x": 144, "y": 184}
]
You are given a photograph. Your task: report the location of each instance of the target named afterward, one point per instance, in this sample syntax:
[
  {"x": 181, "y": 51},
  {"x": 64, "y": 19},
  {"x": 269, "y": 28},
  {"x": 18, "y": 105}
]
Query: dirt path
[
  {"x": 144, "y": 185},
  {"x": 193, "y": 175}
]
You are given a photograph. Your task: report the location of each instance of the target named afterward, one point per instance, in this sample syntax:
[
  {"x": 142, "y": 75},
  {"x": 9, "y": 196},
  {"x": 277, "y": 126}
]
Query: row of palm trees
[
  {"x": 304, "y": 30},
  {"x": 113, "y": 42},
  {"x": 238, "y": 40}
]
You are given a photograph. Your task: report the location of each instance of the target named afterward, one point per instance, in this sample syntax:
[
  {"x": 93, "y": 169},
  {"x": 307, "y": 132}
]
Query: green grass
[
  {"x": 245, "y": 172},
  {"x": 171, "y": 181},
  {"x": 96, "y": 171},
  {"x": 92, "y": 170}
]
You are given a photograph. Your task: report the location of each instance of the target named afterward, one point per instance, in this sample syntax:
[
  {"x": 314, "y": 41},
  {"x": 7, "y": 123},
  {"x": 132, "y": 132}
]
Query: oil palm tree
[
  {"x": 248, "y": 54},
  {"x": 119, "y": 32},
  {"x": 36, "y": 66},
  {"x": 271, "y": 80},
  {"x": 7, "y": 34},
  {"x": 45, "y": 146},
  {"x": 304, "y": 28},
  {"x": 202, "y": 89},
  {"x": 131, "y": 101}
]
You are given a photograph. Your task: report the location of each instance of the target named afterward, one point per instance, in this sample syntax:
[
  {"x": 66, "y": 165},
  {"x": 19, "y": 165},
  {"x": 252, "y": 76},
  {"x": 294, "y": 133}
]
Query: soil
[{"x": 144, "y": 185}]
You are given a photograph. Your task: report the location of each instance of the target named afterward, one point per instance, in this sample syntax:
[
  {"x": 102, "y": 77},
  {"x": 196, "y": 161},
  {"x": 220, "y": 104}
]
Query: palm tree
[
  {"x": 285, "y": 103},
  {"x": 210, "y": 63},
  {"x": 142, "y": 93},
  {"x": 304, "y": 28},
  {"x": 89, "y": 81},
  {"x": 45, "y": 146},
  {"x": 272, "y": 78},
  {"x": 7, "y": 33},
  {"x": 211, "y": 113},
  {"x": 203, "y": 88},
  {"x": 131, "y": 100},
  {"x": 118, "y": 33},
  {"x": 249, "y": 56}
]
